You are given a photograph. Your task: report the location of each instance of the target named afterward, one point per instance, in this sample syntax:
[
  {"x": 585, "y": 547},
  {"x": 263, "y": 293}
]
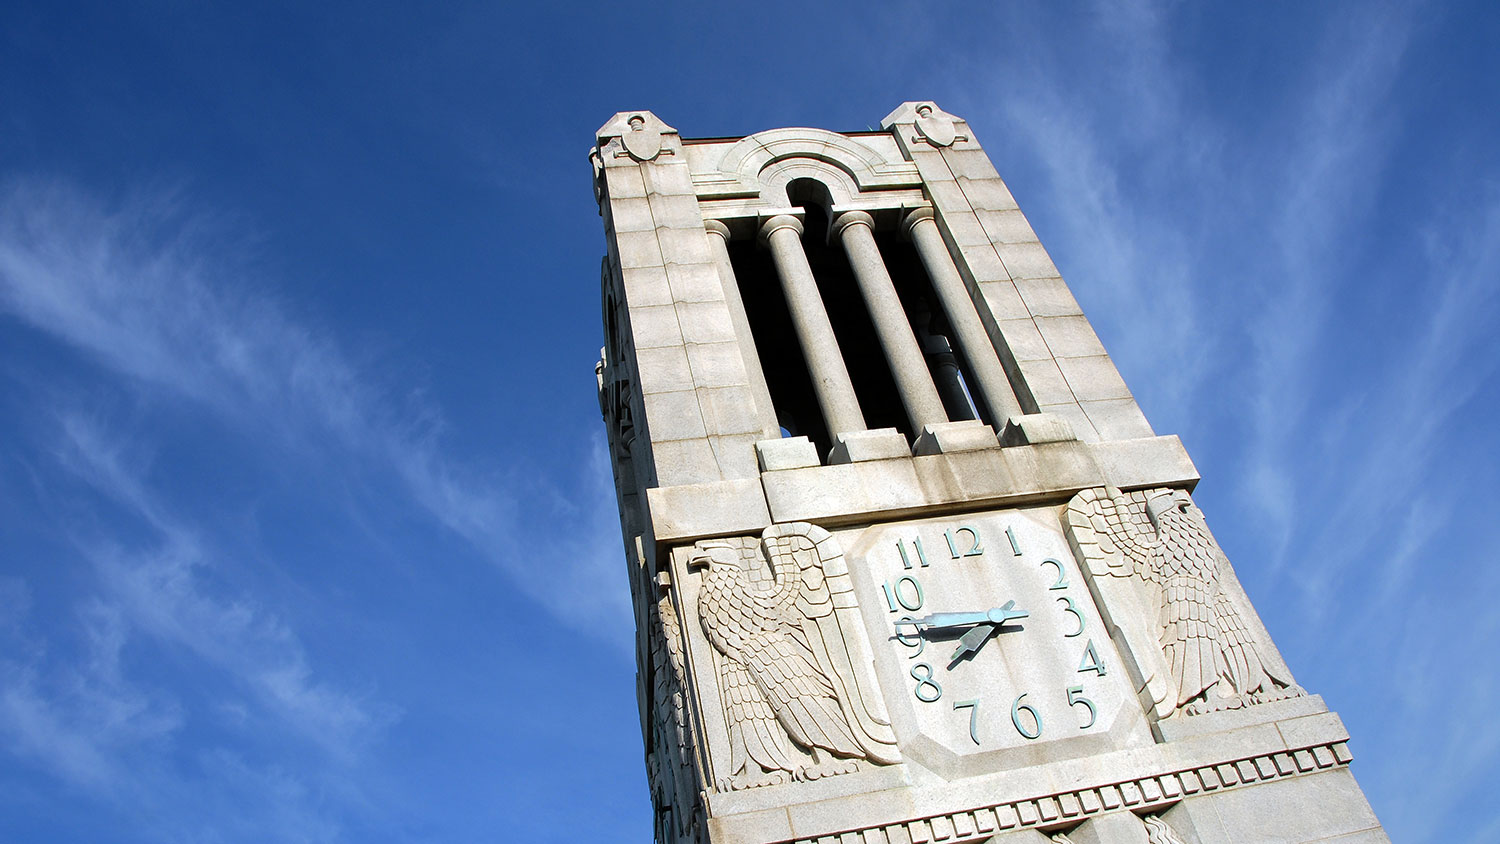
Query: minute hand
[{"x": 948, "y": 620}]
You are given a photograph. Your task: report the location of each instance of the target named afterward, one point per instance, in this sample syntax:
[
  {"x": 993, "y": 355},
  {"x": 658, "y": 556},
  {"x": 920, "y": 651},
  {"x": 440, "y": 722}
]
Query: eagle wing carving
[
  {"x": 1160, "y": 537},
  {"x": 776, "y": 611},
  {"x": 1119, "y": 539},
  {"x": 1111, "y": 542}
]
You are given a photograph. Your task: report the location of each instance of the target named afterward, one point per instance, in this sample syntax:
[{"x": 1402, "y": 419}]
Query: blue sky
[{"x": 306, "y": 532}]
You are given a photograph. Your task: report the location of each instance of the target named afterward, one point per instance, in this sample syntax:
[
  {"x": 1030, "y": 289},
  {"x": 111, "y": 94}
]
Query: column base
[
  {"x": 950, "y": 437},
  {"x": 1037, "y": 428},
  {"x": 859, "y": 446},
  {"x": 786, "y": 453}
]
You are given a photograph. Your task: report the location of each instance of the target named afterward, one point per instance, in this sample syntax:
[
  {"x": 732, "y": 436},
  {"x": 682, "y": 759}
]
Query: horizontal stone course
[
  {"x": 1046, "y": 382},
  {"x": 1145, "y": 794},
  {"x": 655, "y": 325},
  {"x": 674, "y": 416},
  {"x": 663, "y": 369},
  {"x": 625, "y": 183},
  {"x": 1006, "y": 226},
  {"x": 631, "y": 215},
  {"x": 694, "y": 282},
  {"x": 646, "y": 286},
  {"x": 1026, "y": 260},
  {"x": 638, "y": 249},
  {"x": 705, "y": 322},
  {"x": 1093, "y": 378},
  {"x": 986, "y": 194},
  {"x": 1117, "y": 419},
  {"x": 716, "y": 364},
  {"x": 1069, "y": 336},
  {"x": 1046, "y": 297}
]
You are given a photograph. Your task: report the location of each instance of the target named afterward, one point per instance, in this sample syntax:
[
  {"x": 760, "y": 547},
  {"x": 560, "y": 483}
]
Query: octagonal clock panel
[{"x": 989, "y": 649}]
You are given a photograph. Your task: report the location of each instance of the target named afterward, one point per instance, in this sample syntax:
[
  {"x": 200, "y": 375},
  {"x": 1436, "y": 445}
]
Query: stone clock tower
[{"x": 909, "y": 564}]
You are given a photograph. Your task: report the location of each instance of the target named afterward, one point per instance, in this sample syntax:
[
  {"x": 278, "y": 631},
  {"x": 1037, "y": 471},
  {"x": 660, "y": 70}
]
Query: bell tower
[{"x": 909, "y": 565}]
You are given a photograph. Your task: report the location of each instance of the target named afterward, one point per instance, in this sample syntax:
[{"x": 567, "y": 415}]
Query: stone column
[
  {"x": 989, "y": 376},
  {"x": 918, "y": 395},
  {"x": 765, "y": 411},
  {"x": 835, "y": 392}
]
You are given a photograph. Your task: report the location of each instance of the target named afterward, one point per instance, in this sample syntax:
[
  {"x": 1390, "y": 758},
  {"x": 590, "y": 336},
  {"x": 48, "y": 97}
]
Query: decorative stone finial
[
  {"x": 933, "y": 125},
  {"x": 640, "y": 133}
]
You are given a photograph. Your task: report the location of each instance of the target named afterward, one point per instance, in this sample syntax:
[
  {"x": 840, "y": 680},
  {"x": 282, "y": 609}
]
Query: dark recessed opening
[{"x": 776, "y": 341}]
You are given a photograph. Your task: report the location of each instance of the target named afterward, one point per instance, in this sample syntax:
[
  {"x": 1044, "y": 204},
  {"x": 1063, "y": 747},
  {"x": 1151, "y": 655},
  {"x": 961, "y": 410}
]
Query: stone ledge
[
  {"x": 696, "y": 511},
  {"x": 1146, "y": 462},
  {"x": 1184, "y": 727},
  {"x": 994, "y": 477},
  {"x": 1144, "y": 779}
]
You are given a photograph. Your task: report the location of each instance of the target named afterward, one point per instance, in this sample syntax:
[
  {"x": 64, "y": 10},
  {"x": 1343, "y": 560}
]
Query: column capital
[
  {"x": 915, "y": 216},
  {"x": 851, "y": 218},
  {"x": 777, "y": 223},
  {"x": 717, "y": 227}
]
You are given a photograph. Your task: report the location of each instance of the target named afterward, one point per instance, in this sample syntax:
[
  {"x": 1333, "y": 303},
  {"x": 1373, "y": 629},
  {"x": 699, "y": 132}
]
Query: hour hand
[{"x": 972, "y": 641}]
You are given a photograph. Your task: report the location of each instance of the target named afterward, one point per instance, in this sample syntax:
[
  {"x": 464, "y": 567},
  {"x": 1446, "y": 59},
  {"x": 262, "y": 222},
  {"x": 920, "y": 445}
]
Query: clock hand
[
  {"x": 943, "y": 620},
  {"x": 948, "y": 620},
  {"x": 1000, "y": 615},
  {"x": 972, "y": 641}
]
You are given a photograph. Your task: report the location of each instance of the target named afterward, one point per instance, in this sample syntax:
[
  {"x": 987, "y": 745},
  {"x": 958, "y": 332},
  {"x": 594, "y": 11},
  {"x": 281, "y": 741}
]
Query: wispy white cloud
[
  {"x": 1316, "y": 192},
  {"x": 160, "y": 301},
  {"x": 79, "y": 719},
  {"x": 1432, "y": 366},
  {"x": 1128, "y": 264},
  {"x": 161, "y": 296},
  {"x": 1332, "y": 372},
  {"x": 85, "y": 717}
]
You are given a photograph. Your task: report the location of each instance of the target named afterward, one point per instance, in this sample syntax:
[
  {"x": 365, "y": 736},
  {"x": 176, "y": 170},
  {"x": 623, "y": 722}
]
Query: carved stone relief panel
[
  {"x": 671, "y": 760},
  {"x": 794, "y": 688},
  {"x": 1165, "y": 585}
]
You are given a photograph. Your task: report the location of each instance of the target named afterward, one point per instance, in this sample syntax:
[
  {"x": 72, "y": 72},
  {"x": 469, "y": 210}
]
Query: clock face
[{"x": 990, "y": 651}]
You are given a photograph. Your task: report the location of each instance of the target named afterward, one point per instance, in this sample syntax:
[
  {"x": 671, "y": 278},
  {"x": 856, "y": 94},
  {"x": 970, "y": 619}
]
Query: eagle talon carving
[
  {"x": 780, "y": 612},
  {"x": 764, "y": 778},
  {"x": 830, "y": 768},
  {"x": 1159, "y": 539}
]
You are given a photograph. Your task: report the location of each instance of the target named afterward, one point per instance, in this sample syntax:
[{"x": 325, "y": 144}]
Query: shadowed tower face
[{"x": 908, "y": 562}]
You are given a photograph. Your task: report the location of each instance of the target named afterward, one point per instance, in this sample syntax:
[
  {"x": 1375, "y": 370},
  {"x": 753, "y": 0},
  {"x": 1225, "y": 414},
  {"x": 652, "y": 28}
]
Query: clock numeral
[
  {"x": 974, "y": 549},
  {"x": 1091, "y": 660},
  {"x": 1075, "y": 697},
  {"x": 894, "y": 594},
  {"x": 1036, "y": 718},
  {"x": 921, "y": 557},
  {"x": 933, "y": 690},
  {"x": 973, "y": 706},
  {"x": 1068, "y": 607},
  {"x": 1062, "y": 576},
  {"x": 910, "y": 640},
  {"x": 1015, "y": 547}
]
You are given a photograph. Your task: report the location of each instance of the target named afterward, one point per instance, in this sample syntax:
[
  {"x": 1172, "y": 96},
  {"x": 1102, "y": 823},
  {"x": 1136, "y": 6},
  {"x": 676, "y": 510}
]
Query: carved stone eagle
[
  {"x": 781, "y": 613},
  {"x": 1160, "y": 538}
]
